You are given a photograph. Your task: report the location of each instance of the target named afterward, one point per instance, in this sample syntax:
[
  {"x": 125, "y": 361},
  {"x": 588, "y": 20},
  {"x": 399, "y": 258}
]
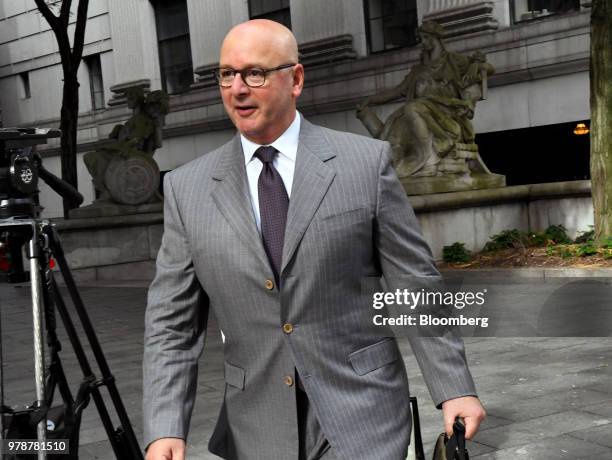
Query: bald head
[{"x": 259, "y": 37}]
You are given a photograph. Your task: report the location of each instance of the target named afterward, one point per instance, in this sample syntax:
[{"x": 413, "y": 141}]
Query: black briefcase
[{"x": 453, "y": 447}]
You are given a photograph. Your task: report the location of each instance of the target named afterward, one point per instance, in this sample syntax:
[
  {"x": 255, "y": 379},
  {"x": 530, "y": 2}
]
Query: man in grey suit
[{"x": 276, "y": 231}]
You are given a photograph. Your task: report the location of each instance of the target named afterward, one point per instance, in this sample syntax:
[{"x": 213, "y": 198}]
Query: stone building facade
[{"x": 351, "y": 49}]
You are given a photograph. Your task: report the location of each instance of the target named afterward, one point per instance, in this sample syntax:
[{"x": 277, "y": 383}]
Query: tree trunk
[
  {"x": 601, "y": 117},
  {"x": 68, "y": 126},
  {"x": 70, "y": 58}
]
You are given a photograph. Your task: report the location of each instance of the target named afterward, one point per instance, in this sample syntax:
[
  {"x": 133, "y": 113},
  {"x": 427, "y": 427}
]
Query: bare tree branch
[
  {"x": 61, "y": 33},
  {"x": 47, "y": 14},
  {"x": 64, "y": 14},
  {"x": 79, "y": 33}
]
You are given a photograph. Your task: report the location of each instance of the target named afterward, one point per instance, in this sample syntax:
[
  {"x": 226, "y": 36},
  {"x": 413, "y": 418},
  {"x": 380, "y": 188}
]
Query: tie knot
[{"x": 266, "y": 154}]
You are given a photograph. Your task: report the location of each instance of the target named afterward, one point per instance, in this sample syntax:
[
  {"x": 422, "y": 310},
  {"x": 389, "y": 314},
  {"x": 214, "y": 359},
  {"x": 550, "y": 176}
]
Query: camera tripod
[{"x": 43, "y": 245}]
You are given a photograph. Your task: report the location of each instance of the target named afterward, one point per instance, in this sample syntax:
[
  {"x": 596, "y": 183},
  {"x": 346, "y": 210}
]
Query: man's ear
[{"x": 298, "y": 80}]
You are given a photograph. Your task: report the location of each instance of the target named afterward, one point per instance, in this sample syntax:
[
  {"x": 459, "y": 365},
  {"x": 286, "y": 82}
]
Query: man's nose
[{"x": 239, "y": 87}]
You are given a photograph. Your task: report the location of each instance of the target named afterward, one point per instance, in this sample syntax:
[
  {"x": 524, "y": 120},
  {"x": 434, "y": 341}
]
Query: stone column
[
  {"x": 135, "y": 53},
  {"x": 460, "y": 17},
  {"x": 209, "y": 21},
  {"x": 422, "y": 9},
  {"x": 328, "y": 31}
]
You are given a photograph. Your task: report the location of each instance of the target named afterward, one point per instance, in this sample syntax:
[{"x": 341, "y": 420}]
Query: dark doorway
[{"x": 551, "y": 153}]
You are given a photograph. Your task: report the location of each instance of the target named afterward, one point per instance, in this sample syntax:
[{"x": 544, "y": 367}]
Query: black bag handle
[
  {"x": 455, "y": 447},
  {"x": 416, "y": 423}
]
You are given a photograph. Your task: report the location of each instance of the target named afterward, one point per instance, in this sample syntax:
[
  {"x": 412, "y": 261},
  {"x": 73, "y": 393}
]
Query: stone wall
[
  {"x": 118, "y": 248},
  {"x": 125, "y": 248},
  {"x": 474, "y": 224}
]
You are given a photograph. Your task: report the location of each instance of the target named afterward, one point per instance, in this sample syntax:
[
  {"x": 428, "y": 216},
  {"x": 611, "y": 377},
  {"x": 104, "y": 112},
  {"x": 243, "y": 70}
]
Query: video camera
[{"x": 20, "y": 169}]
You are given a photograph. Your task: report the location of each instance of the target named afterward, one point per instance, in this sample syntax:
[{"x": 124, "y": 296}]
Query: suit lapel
[
  {"x": 233, "y": 199},
  {"x": 311, "y": 181}
]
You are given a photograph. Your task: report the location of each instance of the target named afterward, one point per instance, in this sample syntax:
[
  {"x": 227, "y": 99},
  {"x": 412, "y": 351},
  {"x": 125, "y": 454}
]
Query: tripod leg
[
  {"x": 127, "y": 435},
  {"x": 34, "y": 254},
  {"x": 86, "y": 368},
  {"x": 2, "y": 408},
  {"x": 56, "y": 376}
]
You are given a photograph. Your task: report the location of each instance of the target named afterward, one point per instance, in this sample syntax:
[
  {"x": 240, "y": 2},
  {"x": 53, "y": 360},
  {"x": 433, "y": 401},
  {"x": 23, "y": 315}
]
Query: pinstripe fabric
[{"x": 348, "y": 221}]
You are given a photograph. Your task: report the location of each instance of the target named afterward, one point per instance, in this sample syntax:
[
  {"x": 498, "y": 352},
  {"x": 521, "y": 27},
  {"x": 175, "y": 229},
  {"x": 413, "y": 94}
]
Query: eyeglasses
[{"x": 253, "y": 76}]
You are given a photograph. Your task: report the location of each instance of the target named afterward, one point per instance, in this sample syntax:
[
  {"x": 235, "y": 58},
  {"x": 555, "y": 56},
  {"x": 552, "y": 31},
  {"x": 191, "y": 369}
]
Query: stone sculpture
[
  {"x": 125, "y": 172},
  {"x": 431, "y": 134}
]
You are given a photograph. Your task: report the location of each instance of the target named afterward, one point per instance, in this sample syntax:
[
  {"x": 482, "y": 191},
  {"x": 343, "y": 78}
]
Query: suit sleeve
[
  {"x": 407, "y": 263},
  {"x": 175, "y": 328}
]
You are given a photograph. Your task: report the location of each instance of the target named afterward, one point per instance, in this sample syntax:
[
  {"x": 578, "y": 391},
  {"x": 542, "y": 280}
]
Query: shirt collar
[{"x": 286, "y": 143}]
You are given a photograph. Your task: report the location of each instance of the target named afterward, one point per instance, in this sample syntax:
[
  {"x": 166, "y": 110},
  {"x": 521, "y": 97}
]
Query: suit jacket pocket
[
  {"x": 234, "y": 375},
  {"x": 341, "y": 219},
  {"x": 375, "y": 356}
]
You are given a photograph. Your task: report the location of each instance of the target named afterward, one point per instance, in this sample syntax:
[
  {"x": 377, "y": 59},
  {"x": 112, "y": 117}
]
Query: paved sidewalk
[{"x": 547, "y": 398}]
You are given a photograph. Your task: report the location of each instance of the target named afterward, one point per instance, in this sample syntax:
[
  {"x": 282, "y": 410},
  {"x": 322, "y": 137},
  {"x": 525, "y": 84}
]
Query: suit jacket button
[
  {"x": 288, "y": 328},
  {"x": 269, "y": 285},
  {"x": 288, "y": 380}
]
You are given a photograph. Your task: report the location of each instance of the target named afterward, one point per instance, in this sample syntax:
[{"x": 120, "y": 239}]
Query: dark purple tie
[{"x": 273, "y": 206}]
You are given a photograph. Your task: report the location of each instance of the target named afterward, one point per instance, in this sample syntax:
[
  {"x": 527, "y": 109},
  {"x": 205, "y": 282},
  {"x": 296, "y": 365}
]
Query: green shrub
[
  {"x": 585, "y": 236},
  {"x": 607, "y": 243},
  {"x": 587, "y": 249},
  {"x": 456, "y": 253},
  {"x": 558, "y": 234},
  {"x": 564, "y": 252},
  {"x": 537, "y": 239},
  {"x": 507, "y": 239}
]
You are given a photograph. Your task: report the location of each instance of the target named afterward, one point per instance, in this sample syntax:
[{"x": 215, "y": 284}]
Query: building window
[
  {"x": 96, "y": 86},
  {"x": 275, "y": 10},
  {"x": 391, "y": 24},
  {"x": 524, "y": 10},
  {"x": 174, "y": 45},
  {"x": 24, "y": 83}
]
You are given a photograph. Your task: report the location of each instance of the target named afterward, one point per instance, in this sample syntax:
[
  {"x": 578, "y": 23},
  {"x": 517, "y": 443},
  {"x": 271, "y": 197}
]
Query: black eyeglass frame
[{"x": 244, "y": 71}]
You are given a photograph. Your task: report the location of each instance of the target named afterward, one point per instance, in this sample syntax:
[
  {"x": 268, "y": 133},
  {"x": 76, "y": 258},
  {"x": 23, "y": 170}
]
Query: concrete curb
[{"x": 531, "y": 272}]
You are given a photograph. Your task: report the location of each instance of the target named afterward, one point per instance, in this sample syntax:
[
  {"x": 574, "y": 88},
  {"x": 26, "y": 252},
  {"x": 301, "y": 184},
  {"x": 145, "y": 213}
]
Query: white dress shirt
[{"x": 284, "y": 162}]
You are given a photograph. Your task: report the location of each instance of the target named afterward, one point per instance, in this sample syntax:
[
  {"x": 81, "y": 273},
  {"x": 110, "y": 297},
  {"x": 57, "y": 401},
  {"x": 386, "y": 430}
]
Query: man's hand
[
  {"x": 166, "y": 449},
  {"x": 466, "y": 407}
]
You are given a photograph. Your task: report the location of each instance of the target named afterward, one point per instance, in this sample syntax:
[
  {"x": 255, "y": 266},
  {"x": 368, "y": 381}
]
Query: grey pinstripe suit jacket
[{"x": 348, "y": 219}]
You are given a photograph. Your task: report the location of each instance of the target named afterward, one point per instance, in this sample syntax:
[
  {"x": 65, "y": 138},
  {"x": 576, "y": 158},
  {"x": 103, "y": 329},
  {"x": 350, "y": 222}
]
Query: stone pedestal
[
  {"x": 463, "y": 170},
  {"x": 119, "y": 248},
  {"x": 461, "y": 17},
  {"x": 452, "y": 183},
  {"x": 113, "y": 210}
]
